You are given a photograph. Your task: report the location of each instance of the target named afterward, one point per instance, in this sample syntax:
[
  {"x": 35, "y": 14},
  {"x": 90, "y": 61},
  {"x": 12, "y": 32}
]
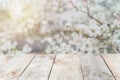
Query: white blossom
[{"x": 26, "y": 49}]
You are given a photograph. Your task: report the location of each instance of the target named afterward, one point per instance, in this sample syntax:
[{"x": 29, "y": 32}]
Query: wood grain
[
  {"x": 66, "y": 67},
  {"x": 60, "y": 67},
  {"x": 15, "y": 67},
  {"x": 40, "y": 68},
  {"x": 113, "y": 62},
  {"x": 94, "y": 68},
  {"x": 5, "y": 59}
]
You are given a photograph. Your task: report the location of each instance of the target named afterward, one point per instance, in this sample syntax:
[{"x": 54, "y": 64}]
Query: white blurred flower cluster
[
  {"x": 68, "y": 26},
  {"x": 18, "y": 18},
  {"x": 7, "y": 46},
  {"x": 92, "y": 26}
]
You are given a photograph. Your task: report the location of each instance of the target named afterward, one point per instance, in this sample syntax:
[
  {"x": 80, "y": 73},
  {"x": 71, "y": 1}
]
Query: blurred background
[{"x": 59, "y": 26}]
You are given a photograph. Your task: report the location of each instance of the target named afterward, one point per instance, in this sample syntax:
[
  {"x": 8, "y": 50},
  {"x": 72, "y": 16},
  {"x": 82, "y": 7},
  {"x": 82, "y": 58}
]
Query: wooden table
[{"x": 60, "y": 67}]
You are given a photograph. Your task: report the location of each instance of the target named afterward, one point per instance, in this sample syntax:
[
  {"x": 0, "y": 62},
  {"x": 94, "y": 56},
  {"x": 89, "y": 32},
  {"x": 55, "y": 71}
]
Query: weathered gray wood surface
[
  {"x": 94, "y": 68},
  {"x": 39, "y": 68},
  {"x": 5, "y": 59},
  {"x": 113, "y": 62},
  {"x": 15, "y": 67},
  {"x": 66, "y": 67},
  {"x": 60, "y": 67}
]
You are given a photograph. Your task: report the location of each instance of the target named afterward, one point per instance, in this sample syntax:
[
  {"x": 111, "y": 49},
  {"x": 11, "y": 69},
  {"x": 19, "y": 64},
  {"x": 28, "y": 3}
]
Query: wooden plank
[
  {"x": 5, "y": 59},
  {"x": 13, "y": 69},
  {"x": 39, "y": 68},
  {"x": 113, "y": 62},
  {"x": 66, "y": 67},
  {"x": 94, "y": 68}
]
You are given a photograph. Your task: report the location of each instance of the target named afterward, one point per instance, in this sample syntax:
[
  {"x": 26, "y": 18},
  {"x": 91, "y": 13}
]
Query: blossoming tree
[{"x": 68, "y": 26}]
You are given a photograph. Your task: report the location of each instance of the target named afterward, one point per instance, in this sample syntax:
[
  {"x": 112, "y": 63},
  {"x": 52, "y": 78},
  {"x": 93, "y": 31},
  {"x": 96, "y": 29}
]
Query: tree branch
[{"x": 88, "y": 11}]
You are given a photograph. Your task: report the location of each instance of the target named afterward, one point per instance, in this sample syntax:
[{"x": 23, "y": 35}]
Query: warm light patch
[{"x": 16, "y": 11}]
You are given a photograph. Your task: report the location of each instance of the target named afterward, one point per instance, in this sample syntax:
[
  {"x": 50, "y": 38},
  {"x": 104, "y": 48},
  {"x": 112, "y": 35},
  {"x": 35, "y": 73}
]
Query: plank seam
[
  {"x": 108, "y": 67},
  {"x": 26, "y": 67},
  {"x": 82, "y": 72},
  {"x": 52, "y": 67}
]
